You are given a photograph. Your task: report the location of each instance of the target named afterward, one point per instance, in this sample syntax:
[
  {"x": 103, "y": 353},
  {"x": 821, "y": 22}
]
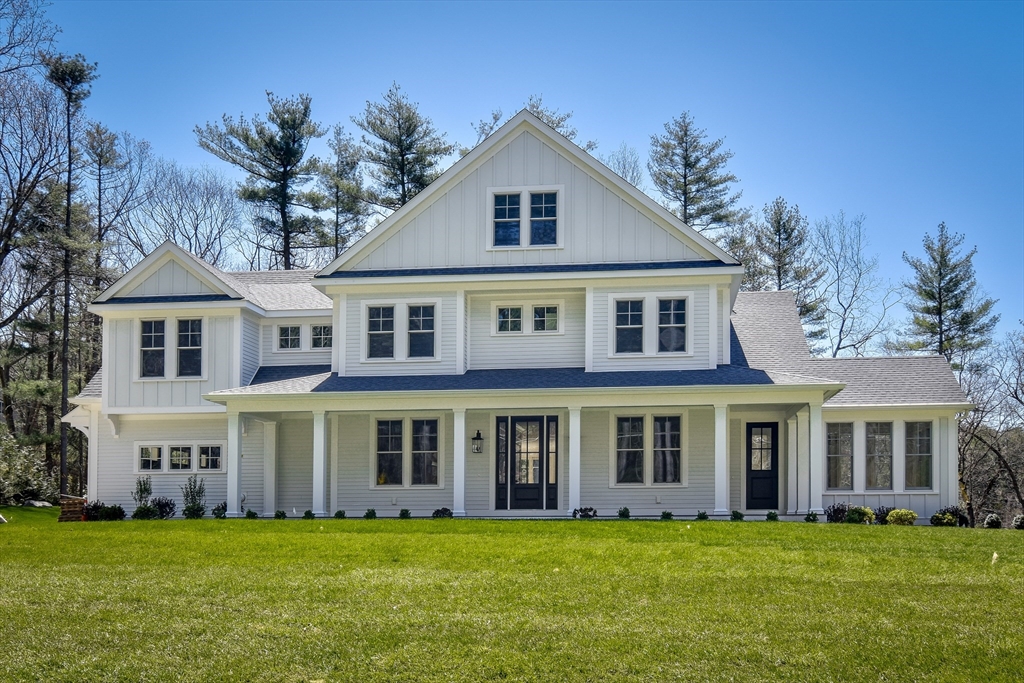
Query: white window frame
[
  {"x": 524, "y": 192},
  {"x": 401, "y": 330},
  {"x": 433, "y": 332},
  {"x": 527, "y": 306},
  {"x": 407, "y": 451},
  {"x": 892, "y": 456},
  {"x": 648, "y": 415},
  {"x": 650, "y": 323},
  {"x": 933, "y": 456},
  {"x": 312, "y": 347},
  {"x": 277, "y": 337},
  {"x": 852, "y": 456},
  {"x": 137, "y": 360},
  {"x": 203, "y": 331},
  {"x": 165, "y": 457},
  {"x": 170, "y": 348}
]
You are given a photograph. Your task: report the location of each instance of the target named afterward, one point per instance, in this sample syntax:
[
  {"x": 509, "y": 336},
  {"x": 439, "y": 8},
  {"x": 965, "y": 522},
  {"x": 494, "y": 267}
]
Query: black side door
[{"x": 762, "y": 465}]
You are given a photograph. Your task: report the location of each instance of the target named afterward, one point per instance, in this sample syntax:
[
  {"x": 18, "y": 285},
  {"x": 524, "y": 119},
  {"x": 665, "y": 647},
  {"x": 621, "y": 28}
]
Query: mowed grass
[{"x": 475, "y": 600}]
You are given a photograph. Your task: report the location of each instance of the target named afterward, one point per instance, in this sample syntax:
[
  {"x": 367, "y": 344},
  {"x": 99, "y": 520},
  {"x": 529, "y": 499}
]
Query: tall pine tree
[{"x": 341, "y": 185}]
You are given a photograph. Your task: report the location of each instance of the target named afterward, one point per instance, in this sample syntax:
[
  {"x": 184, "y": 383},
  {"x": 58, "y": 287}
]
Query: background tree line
[{"x": 80, "y": 204}]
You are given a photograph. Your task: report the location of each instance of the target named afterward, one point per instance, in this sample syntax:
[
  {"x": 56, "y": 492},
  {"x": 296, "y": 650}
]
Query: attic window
[
  {"x": 525, "y": 217},
  {"x": 506, "y": 220},
  {"x": 152, "y": 349},
  {"x": 543, "y": 218}
]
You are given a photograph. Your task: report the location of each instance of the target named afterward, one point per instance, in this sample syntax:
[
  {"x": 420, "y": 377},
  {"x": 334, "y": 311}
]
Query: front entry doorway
[
  {"x": 762, "y": 465},
  {"x": 526, "y": 463}
]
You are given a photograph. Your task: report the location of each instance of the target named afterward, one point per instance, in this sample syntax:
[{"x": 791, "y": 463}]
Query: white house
[{"x": 527, "y": 336}]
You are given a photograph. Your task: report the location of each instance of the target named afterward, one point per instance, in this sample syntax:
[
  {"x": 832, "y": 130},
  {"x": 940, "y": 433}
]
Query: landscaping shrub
[
  {"x": 405, "y": 513},
  {"x": 882, "y": 514},
  {"x": 901, "y": 517},
  {"x": 220, "y": 510},
  {"x": 702, "y": 516},
  {"x": 1018, "y": 522},
  {"x": 145, "y": 511},
  {"x": 737, "y": 516},
  {"x": 251, "y": 514},
  {"x": 193, "y": 498},
  {"x": 308, "y": 514},
  {"x": 92, "y": 510},
  {"x": 623, "y": 512},
  {"x": 811, "y": 517},
  {"x": 112, "y": 513},
  {"x": 442, "y": 513},
  {"x": 950, "y": 515},
  {"x": 165, "y": 507},
  {"x": 666, "y": 515},
  {"x": 584, "y": 513},
  {"x": 836, "y": 513},
  {"x": 859, "y": 514},
  {"x": 993, "y": 521},
  {"x": 143, "y": 490},
  {"x": 339, "y": 514},
  {"x": 370, "y": 514},
  {"x": 280, "y": 514},
  {"x": 772, "y": 516},
  {"x": 24, "y": 476}
]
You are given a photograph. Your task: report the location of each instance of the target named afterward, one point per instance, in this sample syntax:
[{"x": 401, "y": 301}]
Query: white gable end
[
  {"x": 169, "y": 271},
  {"x": 170, "y": 279}
]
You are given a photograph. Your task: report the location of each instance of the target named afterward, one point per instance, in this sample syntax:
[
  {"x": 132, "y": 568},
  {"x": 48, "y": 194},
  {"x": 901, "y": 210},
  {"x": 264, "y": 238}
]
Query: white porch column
[
  {"x": 459, "y": 471},
  {"x": 817, "y": 460},
  {"x": 792, "y": 471},
  {"x": 803, "y": 456},
  {"x": 234, "y": 465},
  {"x": 93, "y": 466},
  {"x": 859, "y": 460},
  {"x": 574, "y": 459},
  {"x": 319, "y": 464},
  {"x": 721, "y": 460},
  {"x": 269, "y": 468}
]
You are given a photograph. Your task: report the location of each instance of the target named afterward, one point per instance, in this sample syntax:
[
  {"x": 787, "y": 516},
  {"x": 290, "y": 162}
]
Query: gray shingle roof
[
  {"x": 94, "y": 388},
  {"x": 279, "y": 290}
]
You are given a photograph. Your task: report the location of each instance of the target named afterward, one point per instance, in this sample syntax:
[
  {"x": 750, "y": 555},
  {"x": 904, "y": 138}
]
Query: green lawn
[{"x": 441, "y": 600}]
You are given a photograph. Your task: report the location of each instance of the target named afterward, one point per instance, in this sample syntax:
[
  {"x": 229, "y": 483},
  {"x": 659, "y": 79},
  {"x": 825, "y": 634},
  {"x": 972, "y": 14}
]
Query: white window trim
[
  {"x": 853, "y": 454},
  {"x": 933, "y": 455},
  {"x": 650, "y": 323},
  {"x": 319, "y": 348},
  {"x": 165, "y": 456},
  {"x": 527, "y": 307},
  {"x": 649, "y": 414},
  {"x": 401, "y": 330},
  {"x": 892, "y": 455},
  {"x": 524, "y": 219},
  {"x": 170, "y": 349},
  {"x": 407, "y": 452},
  {"x": 277, "y": 338}
]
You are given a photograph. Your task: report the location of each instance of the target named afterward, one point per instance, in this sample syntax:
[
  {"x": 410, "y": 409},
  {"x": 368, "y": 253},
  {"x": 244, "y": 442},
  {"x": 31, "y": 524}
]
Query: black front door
[
  {"x": 762, "y": 465},
  {"x": 526, "y": 463}
]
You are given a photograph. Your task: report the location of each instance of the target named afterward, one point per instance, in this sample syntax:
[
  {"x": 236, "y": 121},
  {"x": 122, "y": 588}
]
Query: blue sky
[{"x": 910, "y": 114}]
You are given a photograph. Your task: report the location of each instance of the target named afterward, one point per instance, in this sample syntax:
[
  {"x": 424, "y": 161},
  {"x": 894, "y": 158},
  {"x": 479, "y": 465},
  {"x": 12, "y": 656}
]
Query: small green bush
[
  {"x": 145, "y": 511},
  {"x": 811, "y": 517},
  {"x": 165, "y": 507},
  {"x": 772, "y": 516},
  {"x": 251, "y": 514},
  {"x": 942, "y": 518},
  {"x": 584, "y": 513},
  {"x": 112, "y": 513},
  {"x": 405, "y": 513},
  {"x": 901, "y": 517},
  {"x": 370, "y": 514},
  {"x": 308, "y": 514},
  {"x": 859, "y": 514},
  {"x": 193, "y": 498},
  {"x": 442, "y": 513},
  {"x": 666, "y": 515},
  {"x": 1018, "y": 522},
  {"x": 737, "y": 516},
  {"x": 220, "y": 510},
  {"x": 280, "y": 514},
  {"x": 702, "y": 516},
  {"x": 141, "y": 494},
  {"x": 339, "y": 514},
  {"x": 993, "y": 521},
  {"x": 623, "y": 512},
  {"x": 836, "y": 513},
  {"x": 882, "y": 514}
]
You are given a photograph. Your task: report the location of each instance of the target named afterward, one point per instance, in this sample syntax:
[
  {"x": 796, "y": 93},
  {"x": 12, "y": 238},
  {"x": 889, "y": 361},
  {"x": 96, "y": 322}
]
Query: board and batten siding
[
  {"x": 250, "y": 347},
  {"x": 126, "y": 390},
  {"x": 306, "y": 355},
  {"x": 563, "y": 350},
  {"x": 697, "y": 316},
  {"x": 169, "y": 279},
  {"x": 597, "y": 224},
  {"x": 445, "y": 337}
]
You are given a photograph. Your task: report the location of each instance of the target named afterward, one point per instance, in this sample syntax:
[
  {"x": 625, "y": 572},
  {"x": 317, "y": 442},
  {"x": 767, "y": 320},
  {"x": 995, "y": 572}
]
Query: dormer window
[{"x": 512, "y": 228}]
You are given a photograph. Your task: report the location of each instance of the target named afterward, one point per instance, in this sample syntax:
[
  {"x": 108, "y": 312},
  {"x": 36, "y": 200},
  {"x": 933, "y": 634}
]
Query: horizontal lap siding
[
  {"x": 445, "y": 339},
  {"x": 116, "y": 458},
  {"x": 530, "y": 350},
  {"x": 305, "y": 356},
  {"x": 355, "y": 464},
  {"x": 698, "y": 318},
  {"x": 597, "y": 224},
  {"x": 295, "y": 465},
  {"x": 479, "y": 470}
]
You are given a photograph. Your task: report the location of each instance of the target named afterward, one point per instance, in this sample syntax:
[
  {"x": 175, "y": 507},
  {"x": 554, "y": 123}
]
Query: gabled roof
[
  {"x": 207, "y": 274},
  {"x": 524, "y": 120}
]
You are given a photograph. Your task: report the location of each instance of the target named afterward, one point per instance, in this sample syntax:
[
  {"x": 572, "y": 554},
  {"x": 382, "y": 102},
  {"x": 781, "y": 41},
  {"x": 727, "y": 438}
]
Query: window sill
[
  {"x": 640, "y": 354},
  {"x": 539, "y": 247},
  {"x": 143, "y": 473},
  {"x": 415, "y": 359},
  {"x": 652, "y": 485},
  {"x": 170, "y": 379},
  {"x": 406, "y": 487},
  {"x": 520, "y": 335}
]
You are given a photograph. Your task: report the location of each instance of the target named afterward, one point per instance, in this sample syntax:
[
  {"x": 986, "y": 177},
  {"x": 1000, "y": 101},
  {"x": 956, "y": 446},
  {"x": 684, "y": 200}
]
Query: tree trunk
[{"x": 65, "y": 366}]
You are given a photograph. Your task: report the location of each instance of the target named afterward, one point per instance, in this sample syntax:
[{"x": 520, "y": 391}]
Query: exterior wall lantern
[{"x": 478, "y": 442}]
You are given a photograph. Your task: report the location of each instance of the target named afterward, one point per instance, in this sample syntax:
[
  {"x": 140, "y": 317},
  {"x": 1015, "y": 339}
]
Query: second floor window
[
  {"x": 421, "y": 331},
  {"x": 381, "y": 332},
  {"x": 629, "y": 326},
  {"x": 190, "y": 348},
  {"x": 289, "y": 337},
  {"x": 671, "y": 325},
  {"x": 151, "y": 362},
  {"x": 322, "y": 336},
  {"x": 840, "y": 455},
  {"x": 506, "y": 220},
  {"x": 543, "y": 218}
]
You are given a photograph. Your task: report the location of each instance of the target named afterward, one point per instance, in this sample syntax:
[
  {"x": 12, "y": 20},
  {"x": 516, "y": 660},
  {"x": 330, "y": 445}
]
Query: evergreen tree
[
  {"x": 690, "y": 173},
  {"x": 950, "y": 316},
  {"x": 535, "y": 105},
  {"x": 341, "y": 185},
  {"x": 273, "y": 153},
  {"x": 403, "y": 148}
]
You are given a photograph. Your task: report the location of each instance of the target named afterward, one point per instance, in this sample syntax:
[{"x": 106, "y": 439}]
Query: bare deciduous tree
[
  {"x": 25, "y": 34},
  {"x": 626, "y": 162}
]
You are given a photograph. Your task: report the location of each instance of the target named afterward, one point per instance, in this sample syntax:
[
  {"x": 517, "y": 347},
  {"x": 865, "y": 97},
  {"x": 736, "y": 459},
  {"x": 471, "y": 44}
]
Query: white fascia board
[
  {"x": 954, "y": 407},
  {"x": 181, "y": 410},
  {"x": 158, "y": 257},
  {"x": 300, "y": 313},
  {"x": 85, "y": 400},
  {"x": 111, "y": 310}
]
